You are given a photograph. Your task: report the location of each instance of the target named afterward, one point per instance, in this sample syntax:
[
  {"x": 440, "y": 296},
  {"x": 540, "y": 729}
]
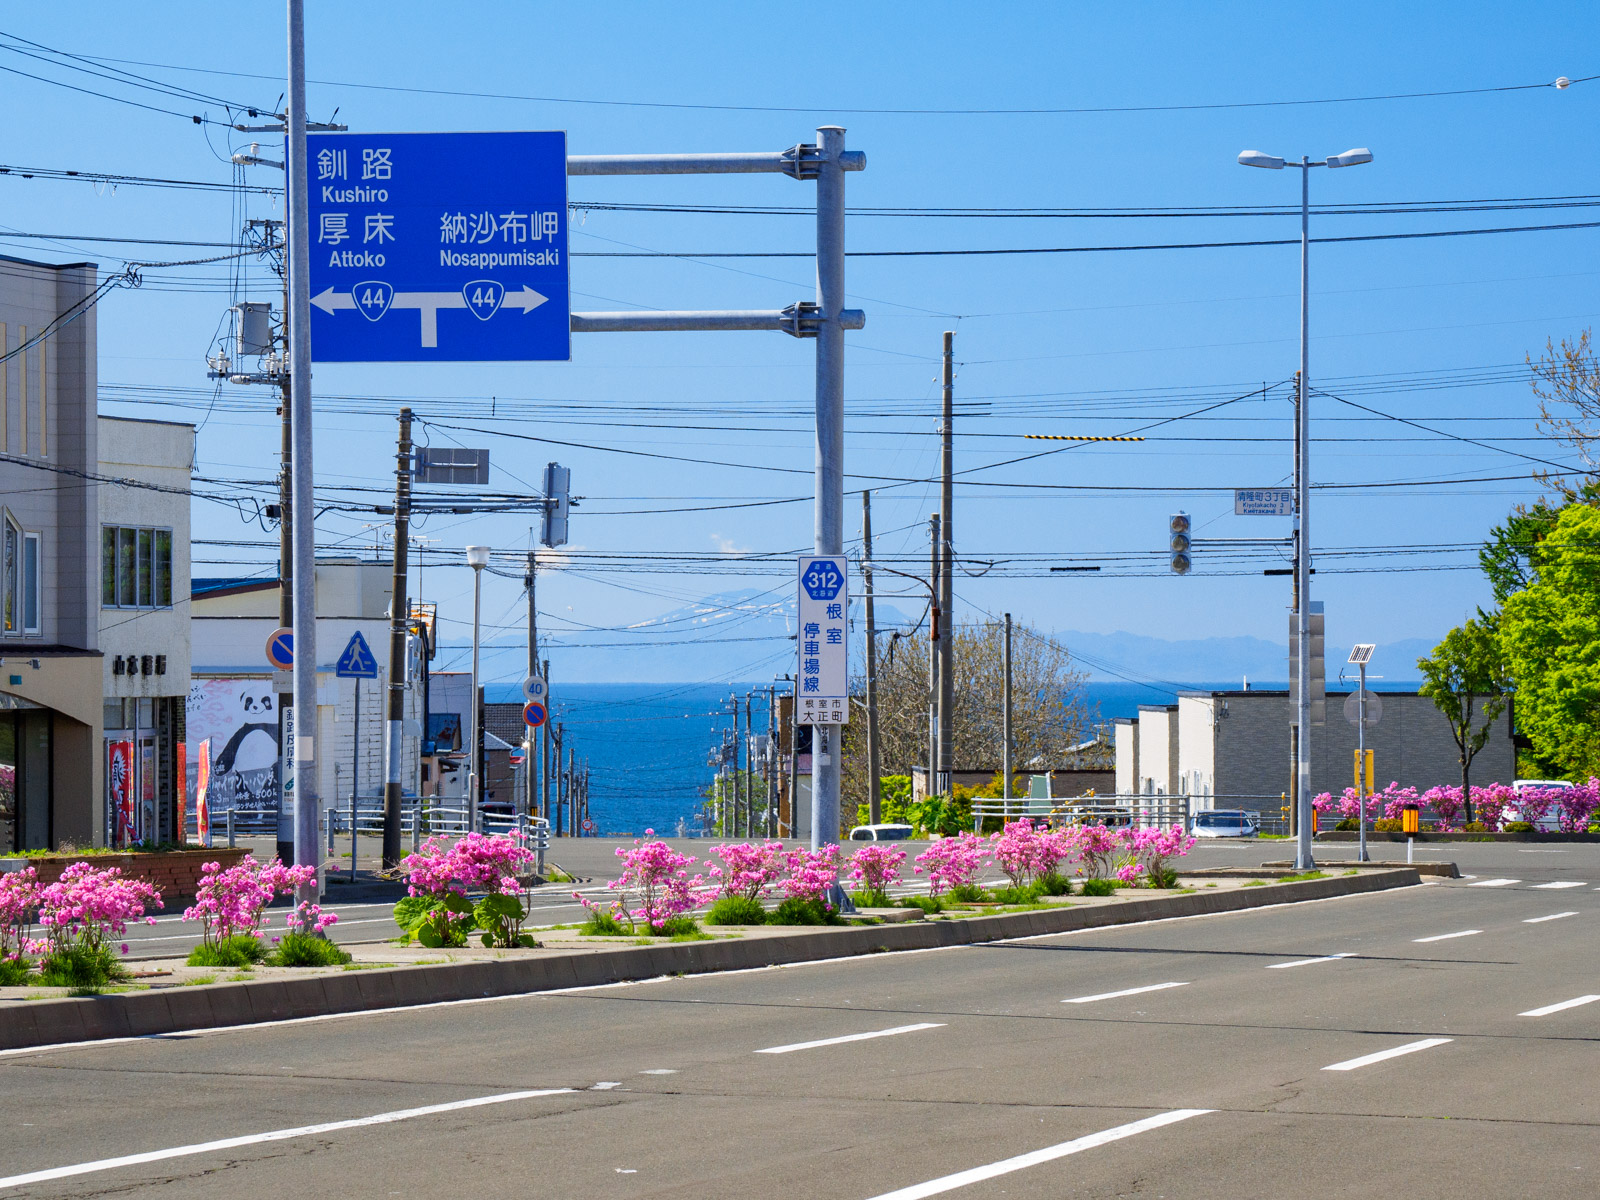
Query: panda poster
[{"x": 240, "y": 719}]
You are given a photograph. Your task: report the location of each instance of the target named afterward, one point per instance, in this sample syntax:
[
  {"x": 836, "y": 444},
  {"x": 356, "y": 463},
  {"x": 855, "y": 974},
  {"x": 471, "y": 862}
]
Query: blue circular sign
[
  {"x": 823, "y": 579},
  {"x": 280, "y": 649},
  {"x": 534, "y": 714}
]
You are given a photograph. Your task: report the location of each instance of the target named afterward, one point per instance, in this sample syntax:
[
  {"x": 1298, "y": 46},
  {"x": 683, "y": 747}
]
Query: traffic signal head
[{"x": 1179, "y": 543}]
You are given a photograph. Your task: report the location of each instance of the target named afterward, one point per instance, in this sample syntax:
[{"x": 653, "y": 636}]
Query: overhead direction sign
[
  {"x": 823, "y": 649},
  {"x": 438, "y": 247},
  {"x": 280, "y": 648},
  {"x": 1263, "y": 502},
  {"x": 357, "y": 661}
]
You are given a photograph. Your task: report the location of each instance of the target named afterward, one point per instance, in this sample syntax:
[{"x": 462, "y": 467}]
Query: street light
[
  {"x": 477, "y": 559},
  {"x": 1302, "y": 487}
]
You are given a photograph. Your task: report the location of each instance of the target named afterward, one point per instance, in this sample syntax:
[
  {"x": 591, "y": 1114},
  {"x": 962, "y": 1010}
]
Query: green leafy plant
[
  {"x": 1255, "y": 883},
  {"x": 500, "y": 917},
  {"x": 601, "y": 924},
  {"x": 943, "y": 815},
  {"x": 80, "y": 966},
  {"x": 1348, "y": 825},
  {"x": 966, "y": 893},
  {"x": 197, "y": 981},
  {"x": 1025, "y": 894},
  {"x": 306, "y": 950},
  {"x": 736, "y": 910},
  {"x": 240, "y": 950},
  {"x": 13, "y": 972},
  {"x": 798, "y": 911},
  {"x": 435, "y": 921},
  {"x": 1053, "y": 884},
  {"x": 676, "y": 928},
  {"x": 1519, "y": 827},
  {"x": 1303, "y": 876},
  {"x": 1162, "y": 877},
  {"x": 928, "y": 904},
  {"x": 1099, "y": 887}
]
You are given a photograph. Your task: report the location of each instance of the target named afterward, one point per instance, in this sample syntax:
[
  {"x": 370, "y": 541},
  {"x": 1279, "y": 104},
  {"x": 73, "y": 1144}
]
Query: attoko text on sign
[
  {"x": 824, "y": 674},
  {"x": 438, "y": 247}
]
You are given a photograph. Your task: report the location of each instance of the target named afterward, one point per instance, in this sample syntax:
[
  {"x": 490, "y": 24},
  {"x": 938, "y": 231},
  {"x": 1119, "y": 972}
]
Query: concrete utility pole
[
  {"x": 874, "y": 784},
  {"x": 1005, "y": 758},
  {"x": 738, "y": 771},
  {"x": 934, "y": 690},
  {"x": 572, "y": 807},
  {"x": 544, "y": 742},
  {"x": 307, "y": 798},
  {"x": 750, "y": 770},
  {"x": 769, "y": 823},
  {"x": 533, "y": 669},
  {"x": 285, "y": 557},
  {"x": 399, "y": 627},
  {"x": 947, "y": 583}
]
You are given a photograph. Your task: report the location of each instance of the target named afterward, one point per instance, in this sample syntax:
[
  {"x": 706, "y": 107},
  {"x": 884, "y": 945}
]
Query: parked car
[
  {"x": 880, "y": 833},
  {"x": 1551, "y": 819},
  {"x": 1225, "y": 822}
]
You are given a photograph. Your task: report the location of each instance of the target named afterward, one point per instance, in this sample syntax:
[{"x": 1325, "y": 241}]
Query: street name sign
[
  {"x": 357, "y": 661},
  {"x": 1263, "y": 502},
  {"x": 824, "y": 667},
  {"x": 438, "y": 247},
  {"x": 280, "y": 648}
]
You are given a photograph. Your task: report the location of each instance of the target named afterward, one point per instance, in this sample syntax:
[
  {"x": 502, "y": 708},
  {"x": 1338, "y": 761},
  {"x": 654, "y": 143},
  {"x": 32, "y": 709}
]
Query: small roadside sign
[
  {"x": 1263, "y": 502},
  {"x": 357, "y": 661},
  {"x": 534, "y": 714},
  {"x": 534, "y": 688},
  {"x": 823, "y": 652},
  {"x": 280, "y": 649}
]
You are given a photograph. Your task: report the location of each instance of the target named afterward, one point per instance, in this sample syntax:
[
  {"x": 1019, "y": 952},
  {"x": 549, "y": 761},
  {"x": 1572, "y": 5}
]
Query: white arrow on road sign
[{"x": 428, "y": 304}]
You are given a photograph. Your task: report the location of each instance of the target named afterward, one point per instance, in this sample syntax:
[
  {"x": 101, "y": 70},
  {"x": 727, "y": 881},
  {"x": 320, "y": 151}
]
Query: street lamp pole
[
  {"x": 477, "y": 559},
  {"x": 1302, "y": 559}
]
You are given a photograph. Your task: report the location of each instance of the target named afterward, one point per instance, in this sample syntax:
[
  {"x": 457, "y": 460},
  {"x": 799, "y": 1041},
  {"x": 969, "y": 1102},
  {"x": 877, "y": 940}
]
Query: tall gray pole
[
  {"x": 1302, "y": 562},
  {"x": 828, "y": 512},
  {"x": 307, "y": 797},
  {"x": 399, "y": 620},
  {"x": 1361, "y": 762},
  {"x": 531, "y": 771},
  {"x": 285, "y": 558},
  {"x": 934, "y": 632},
  {"x": 749, "y": 771},
  {"x": 544, "y": 741},
  {"x": 738, "y": 771},
  {"x": 769, "y": 822},
  {"x": 874, "y": 765},
  {"x": 947, "y": 605},
  {"x": 1005, "y": 758},
  {"x": 474, "y": 784}
]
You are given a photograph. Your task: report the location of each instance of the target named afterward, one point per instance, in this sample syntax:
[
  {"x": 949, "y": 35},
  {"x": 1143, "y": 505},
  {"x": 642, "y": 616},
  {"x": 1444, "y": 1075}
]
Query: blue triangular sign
[{"x": 357, "y": 661}]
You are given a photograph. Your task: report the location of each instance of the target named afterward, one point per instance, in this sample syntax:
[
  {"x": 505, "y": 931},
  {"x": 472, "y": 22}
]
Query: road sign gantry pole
[{"x": 824, "y": 319}]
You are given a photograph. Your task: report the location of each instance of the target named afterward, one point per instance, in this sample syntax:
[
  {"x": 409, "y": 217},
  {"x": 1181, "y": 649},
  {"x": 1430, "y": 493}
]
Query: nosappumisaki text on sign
[{"x": 823, "y": 693}]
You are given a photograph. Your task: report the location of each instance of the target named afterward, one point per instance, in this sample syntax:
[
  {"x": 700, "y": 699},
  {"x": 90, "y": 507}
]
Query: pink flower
[
  {"x": 124, "y": 947},
  {"x": 952, "y": 862},
  {"x": 876, "y": 866}
]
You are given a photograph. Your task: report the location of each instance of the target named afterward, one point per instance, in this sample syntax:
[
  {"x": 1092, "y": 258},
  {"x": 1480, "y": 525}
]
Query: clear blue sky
[{"x": 1079, "y": 343}]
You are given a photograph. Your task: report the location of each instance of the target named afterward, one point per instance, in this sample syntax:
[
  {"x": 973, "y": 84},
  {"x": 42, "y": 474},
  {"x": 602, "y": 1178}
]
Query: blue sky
[{"x": 1072, "y": 343}]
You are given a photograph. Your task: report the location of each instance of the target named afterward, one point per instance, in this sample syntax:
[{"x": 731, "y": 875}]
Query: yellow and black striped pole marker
[{"x": 1063, "y": 437}]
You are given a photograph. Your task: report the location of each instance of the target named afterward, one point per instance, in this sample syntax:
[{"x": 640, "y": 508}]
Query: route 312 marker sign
[{"x": 823, "y": 643}]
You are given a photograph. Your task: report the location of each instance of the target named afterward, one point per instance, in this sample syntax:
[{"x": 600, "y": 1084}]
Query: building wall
[
  {"x": 1158, "y": 749},
  {"x": 1125, "y": 746},
  {"x": 1196, "y": 765}
]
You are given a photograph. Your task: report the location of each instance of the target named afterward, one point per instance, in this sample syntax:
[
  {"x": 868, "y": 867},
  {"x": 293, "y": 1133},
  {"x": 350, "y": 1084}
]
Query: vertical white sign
[{"x": 824, "y": 659}]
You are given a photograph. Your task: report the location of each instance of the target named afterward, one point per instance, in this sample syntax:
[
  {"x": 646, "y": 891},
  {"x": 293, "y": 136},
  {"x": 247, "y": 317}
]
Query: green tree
[
  {"x": 1550, "y": 634},
  {"x": 1507, "y": 555},
  {"x": 1465, "y": 677}
]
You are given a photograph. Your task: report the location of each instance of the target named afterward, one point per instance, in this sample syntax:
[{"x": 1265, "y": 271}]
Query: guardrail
[{"x": 1137, "y": 809}]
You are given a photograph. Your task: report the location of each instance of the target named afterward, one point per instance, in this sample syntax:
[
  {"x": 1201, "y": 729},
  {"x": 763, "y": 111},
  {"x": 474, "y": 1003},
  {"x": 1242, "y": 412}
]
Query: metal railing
[{"x": 1136, "y": 809}]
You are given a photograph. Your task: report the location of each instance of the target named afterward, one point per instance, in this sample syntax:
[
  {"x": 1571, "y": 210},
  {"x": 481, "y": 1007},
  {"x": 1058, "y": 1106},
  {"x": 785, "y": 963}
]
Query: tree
[
  {"x": 1550, "y": 635},
  {"x": 1567, "y": 382},
  {"x": 1049, "y": 712},
  {"x": 1507, "y": 556},
  {"x": 1464, "y": 671}
]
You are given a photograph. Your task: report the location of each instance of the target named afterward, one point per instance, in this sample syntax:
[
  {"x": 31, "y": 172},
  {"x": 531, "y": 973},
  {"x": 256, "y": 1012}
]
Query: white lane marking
[
  {"x": 1561, "y": 883},
  {"x": 274, "y": 1135},
  {"x": 1551, "y": 917},
  {"x": 1306, "y": 962},
  {"x": 604, "y": 1087},
  {"x": 851, "y": 1037},
  {"x": 1154, "y": 987},
  {"x": 660, "y": 1071},
  {"x": 1366, "y": 1060},
  {"x": 1445, "y": 937},
  {"x": 1494, "y": 883},
  {"x": 1555, "y": 1008},
  {"x": 1005, "y": 1166},
  {"x": 844, "y": 960}
]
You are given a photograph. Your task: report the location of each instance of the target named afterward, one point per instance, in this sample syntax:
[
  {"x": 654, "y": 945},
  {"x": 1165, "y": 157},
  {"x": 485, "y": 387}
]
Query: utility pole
[
  {"x": 285, "y": 559},
  {"x": 1005, "y": 758},
  {"x": 947, "y": 605},
  {"x": 749, "y": 771},
  {"x": 533, "y": 669},
  {"x": 738, "y": 772},
  {"x": 874, "y": 785},
  {"x": 572, "y": 808},
  {"x": 769, "y": 823},
  {"x": 1294, "y": 610},
  {"x": 307, "y": 799},
  {"x": 934, "y": 722},
  {"x": 544, "y": 742},
  {"x": 399, "y": 621}
]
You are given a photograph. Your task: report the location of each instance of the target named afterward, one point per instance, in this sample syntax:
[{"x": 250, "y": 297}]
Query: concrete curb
[{"x": 175, "y": 1010}]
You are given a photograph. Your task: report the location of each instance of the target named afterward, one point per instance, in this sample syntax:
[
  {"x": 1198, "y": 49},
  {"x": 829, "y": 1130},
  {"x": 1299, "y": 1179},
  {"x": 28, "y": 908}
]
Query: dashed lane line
[
  {"x": 1551, "y": 917},
  {"x": 851, "y": 1037},
  {"x": 1154, "y": 987},
  {"x": 1366, "y": 1060},
  {"x": 948, "y": 1183},
  {"x": 1555, "y": 1008},
  {"x": 1445, "y": 937},
  {"x": 1494, "y": 883},
  {"x": 1306, "y": 962},
  {"x": 1561, "y": 883}
]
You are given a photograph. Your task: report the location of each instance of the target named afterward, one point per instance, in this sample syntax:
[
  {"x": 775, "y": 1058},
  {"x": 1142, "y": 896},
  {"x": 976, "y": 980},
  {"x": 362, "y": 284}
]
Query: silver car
[{"x": 1225, "y": 822}]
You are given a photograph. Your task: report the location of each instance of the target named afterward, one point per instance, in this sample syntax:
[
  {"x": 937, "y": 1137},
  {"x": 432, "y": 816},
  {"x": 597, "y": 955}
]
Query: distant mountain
[{"x": 744, "y": 635}]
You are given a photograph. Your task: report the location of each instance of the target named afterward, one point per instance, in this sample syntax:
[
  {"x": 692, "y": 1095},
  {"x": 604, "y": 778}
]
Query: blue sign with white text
[{"x": 438, "y": 247}]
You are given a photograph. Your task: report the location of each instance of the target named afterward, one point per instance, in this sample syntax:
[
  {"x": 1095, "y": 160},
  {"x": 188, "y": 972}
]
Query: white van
[
  {"x": 881, "y": 833},
  {"x": 1551, "y": 819}
]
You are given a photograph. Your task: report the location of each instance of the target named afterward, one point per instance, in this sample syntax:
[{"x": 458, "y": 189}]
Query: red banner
[
  {"x": 119, "y": 790},
  {"x": 182, "y": 794},
  {"x": 202, "y": 789}
]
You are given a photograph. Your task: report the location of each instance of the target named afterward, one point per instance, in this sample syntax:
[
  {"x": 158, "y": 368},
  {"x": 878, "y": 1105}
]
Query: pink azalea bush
[
  {"x": 1348, "y": 805},
  {"x": 1445, "y": 801},
  {"x": 654, "y": 888},
  {"x": 1016, "y": 851},
  {"x": 477, "y": 862},
  {"x": 953, "y": 863},
  {"x": 1489, "y": 803},
  {"x": 747, "y": 871},
  {"x": 1577, "y": 806},
  {"x": 309, "y": 918},
  {"x": 230, "y": 902},
  {"x": 87, "y": 906},
  {"x": 19, "y": 902},
  {"x": 876, "y": 866},
  {"x": 1395, "y": 799},
  {"x": 1153, "y": 850},
  {"x": 812, "y": 874},
  {"x": 1096, "y": 847}
]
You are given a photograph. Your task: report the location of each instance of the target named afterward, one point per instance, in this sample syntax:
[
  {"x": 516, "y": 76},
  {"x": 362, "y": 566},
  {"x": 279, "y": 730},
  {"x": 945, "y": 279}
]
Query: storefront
[
  {"x": 144, "y": 772},
  {"x": 25, "y": 791}
]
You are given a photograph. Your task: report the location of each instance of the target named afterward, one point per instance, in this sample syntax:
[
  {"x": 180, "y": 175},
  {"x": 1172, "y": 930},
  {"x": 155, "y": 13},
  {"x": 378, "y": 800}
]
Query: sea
[{"x": 648, "y": 745}]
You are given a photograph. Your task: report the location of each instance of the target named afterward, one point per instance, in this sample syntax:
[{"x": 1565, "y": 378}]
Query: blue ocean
[{"x": 648, "y": 744}]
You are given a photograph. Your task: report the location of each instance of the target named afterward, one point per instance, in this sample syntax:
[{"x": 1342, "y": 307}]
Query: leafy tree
[
  {"x": 1507, "y": 557},
  {"x": 1567, "y": 382},
  {"x": 1464, "y": 671},
  {"x": 1550, "y": 634}
]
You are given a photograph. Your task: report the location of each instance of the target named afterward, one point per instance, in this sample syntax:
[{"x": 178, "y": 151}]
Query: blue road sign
[
  {"x": 534, "y": 714},
  {"x": 280, "y": 649},
  {"x": 822, "y": 578},
  {"x": 357, "y": 661},
  {"x": 438, "y": 247}
]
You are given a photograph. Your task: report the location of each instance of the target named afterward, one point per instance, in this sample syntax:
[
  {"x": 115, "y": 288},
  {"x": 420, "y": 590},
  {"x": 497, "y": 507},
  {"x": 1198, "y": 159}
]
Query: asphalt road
[{"x": 1438, "y": 1041}]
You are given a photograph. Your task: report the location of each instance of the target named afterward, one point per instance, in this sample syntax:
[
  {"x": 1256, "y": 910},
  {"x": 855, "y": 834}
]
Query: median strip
[
  {"x": 851, "y": 1037},
  {"x": 1366, "y": 1060},
  {"x": 949, "y": 1183}
]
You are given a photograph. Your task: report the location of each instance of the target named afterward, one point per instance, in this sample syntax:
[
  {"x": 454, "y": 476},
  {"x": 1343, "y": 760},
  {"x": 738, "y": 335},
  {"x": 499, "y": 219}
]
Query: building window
[
  {"x": 135, "y": 567},
  {"x": 30, "y": 583},
  {"x": 11, "y": 614},
  {"x": 19, "y": 579}
]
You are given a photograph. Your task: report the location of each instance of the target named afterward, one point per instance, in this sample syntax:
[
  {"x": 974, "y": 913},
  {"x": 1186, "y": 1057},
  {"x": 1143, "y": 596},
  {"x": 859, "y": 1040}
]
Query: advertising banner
[{"x": 119, "y": 791}]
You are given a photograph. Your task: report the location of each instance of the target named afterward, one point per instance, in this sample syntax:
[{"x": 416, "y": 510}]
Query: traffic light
[
  {"x": 1180, "y": 544},
  {"x": 557, "y": 490}
]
